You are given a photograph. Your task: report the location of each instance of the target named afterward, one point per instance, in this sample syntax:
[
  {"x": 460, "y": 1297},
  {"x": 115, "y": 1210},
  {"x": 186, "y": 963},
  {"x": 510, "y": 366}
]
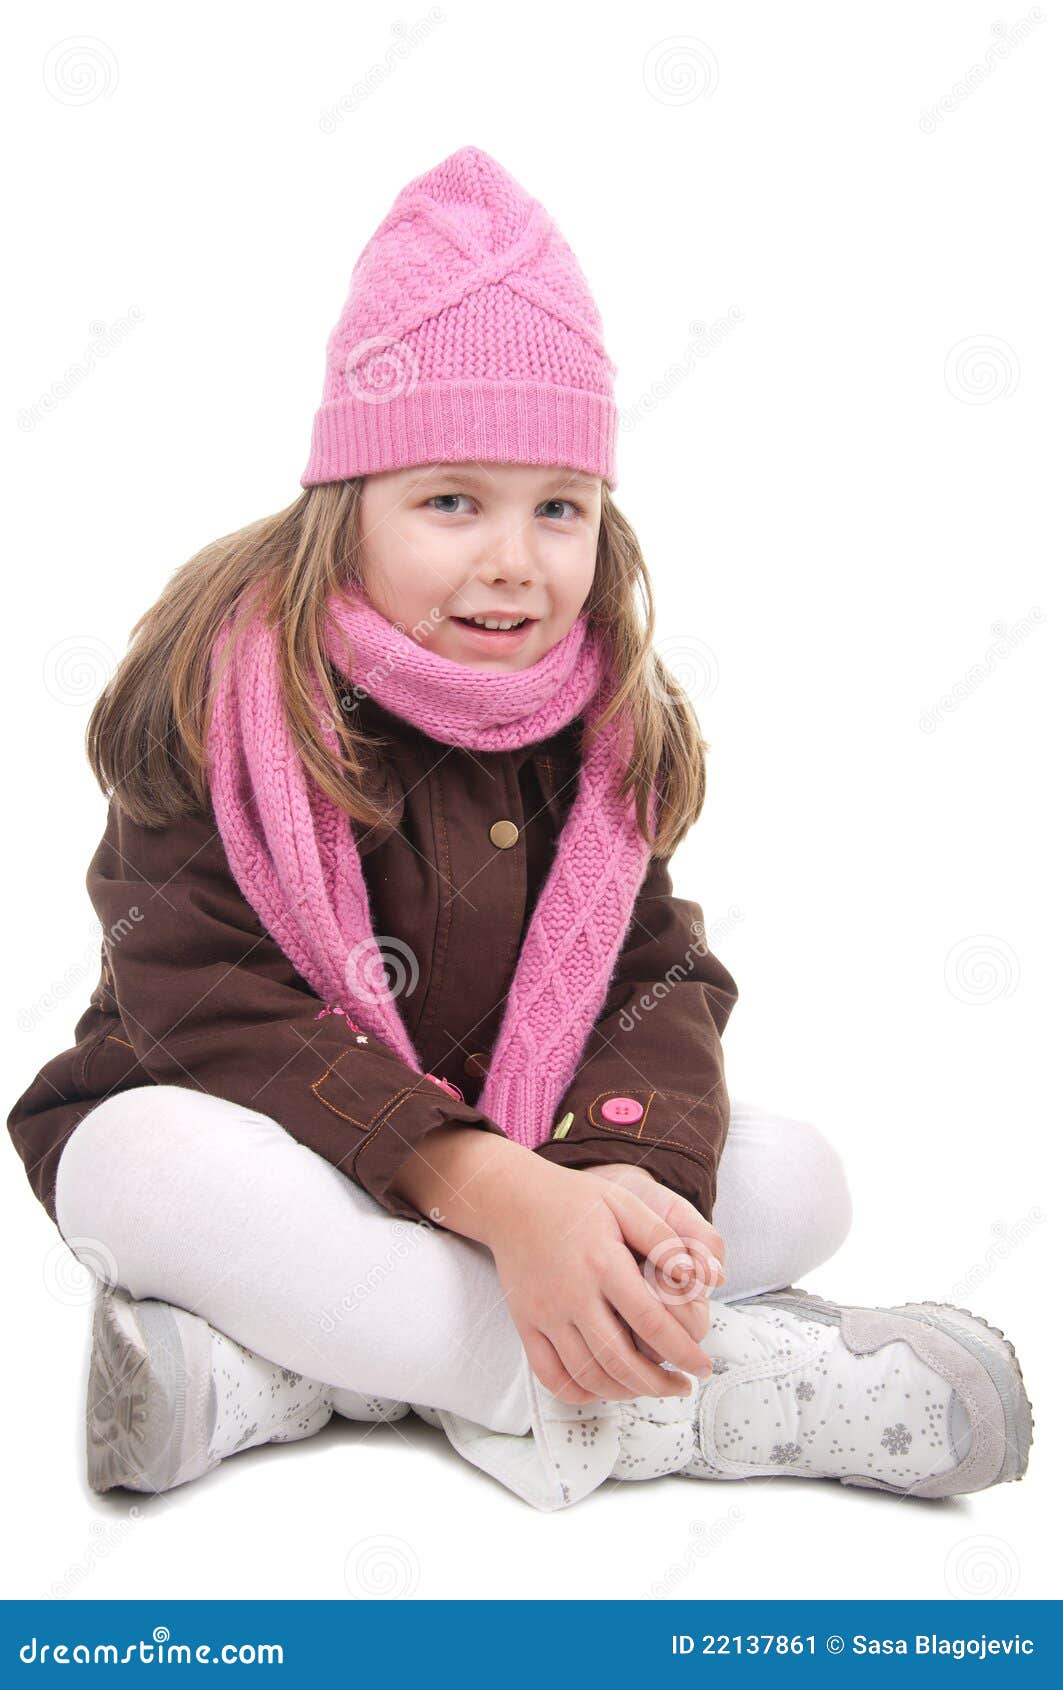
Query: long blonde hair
[{"x": 146, "y": 735}]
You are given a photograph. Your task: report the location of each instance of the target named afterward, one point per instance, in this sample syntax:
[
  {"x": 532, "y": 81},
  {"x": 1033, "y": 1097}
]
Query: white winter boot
[
  {"x": 922, "y": 1400},
  {"x": 169, "y": 1396}
]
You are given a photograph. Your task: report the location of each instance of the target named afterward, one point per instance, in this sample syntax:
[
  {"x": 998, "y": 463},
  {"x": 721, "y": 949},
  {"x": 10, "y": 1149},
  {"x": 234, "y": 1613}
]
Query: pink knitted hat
[{"x": 469, "y": 334}]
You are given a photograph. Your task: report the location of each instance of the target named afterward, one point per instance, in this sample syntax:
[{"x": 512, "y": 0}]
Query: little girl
[{"x": 402, "y": 1084}]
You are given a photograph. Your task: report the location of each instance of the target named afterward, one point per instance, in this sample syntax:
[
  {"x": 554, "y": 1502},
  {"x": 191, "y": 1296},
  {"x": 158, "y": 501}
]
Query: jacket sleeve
[
  {"x": 650, "y": 1088},
  {"x": 209, "y": 1000}
]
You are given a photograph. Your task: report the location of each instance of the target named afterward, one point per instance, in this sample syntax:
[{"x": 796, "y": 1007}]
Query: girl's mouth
[{"x": 506, "y": 638}]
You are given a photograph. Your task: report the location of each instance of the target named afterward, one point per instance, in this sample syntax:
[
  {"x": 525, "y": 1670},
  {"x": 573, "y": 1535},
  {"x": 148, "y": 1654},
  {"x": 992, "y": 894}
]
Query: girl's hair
[{"x": 146, "y": 735}]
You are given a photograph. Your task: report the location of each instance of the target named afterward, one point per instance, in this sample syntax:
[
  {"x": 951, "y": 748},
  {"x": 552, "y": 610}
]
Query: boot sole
[{"x": 150, "y": 1405}]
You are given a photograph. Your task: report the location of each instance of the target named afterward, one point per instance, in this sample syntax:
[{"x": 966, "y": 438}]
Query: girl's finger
[
  {"x": 574, "y": 1351},
  {"x": 644, "y": 1230},
  {"x": 696, "y": 1231},
  {"x": 691, "y": 1224},
  {"x": 693, "y": 1316},
  {"x": 550, "y": 1371},
  {"x": 611, "y": 1342},
  {"x": 681, "y": 1214},
  {"x": 647, "y": 1315},
  {"x": 628, "y": 1292}
]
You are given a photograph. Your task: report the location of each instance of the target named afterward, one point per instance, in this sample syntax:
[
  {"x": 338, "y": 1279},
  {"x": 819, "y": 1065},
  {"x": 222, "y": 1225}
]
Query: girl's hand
[
  {"x": 706, "y": 1244},
  {"x": 685, "y": 1293},
  {"x": 565, "y": 1243}
]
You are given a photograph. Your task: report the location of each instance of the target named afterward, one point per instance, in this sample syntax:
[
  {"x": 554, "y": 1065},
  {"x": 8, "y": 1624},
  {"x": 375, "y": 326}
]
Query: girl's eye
[
  {"x": 577, "y": 508},
  {"x": 439, "y": 500}
]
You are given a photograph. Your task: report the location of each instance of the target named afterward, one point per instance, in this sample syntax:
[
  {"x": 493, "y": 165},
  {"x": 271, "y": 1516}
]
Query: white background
[{"x": 845, "y": 503}]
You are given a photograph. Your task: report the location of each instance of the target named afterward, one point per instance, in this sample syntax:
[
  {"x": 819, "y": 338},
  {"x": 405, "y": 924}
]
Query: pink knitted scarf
[{"x": 293, "y": 853}]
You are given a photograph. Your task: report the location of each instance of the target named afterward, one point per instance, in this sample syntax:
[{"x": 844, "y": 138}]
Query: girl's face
[{"x": 442, "y": 543}]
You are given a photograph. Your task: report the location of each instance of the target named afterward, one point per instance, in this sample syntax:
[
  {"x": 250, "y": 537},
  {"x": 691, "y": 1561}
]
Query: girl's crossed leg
[{"x": 183, "y": 1197}]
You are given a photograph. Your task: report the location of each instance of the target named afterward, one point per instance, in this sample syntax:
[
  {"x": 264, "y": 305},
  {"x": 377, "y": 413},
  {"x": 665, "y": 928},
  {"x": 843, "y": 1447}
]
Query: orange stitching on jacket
[
  {"x": 612, "y": 1092},
  {"x": 391, "y": 1106},
  {"x": 615, "y": 1127},
  {"x": 387, "y": 1109},
  {"x": 336, "y": 1110}
]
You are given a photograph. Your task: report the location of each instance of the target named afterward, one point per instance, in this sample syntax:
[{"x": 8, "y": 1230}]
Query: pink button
[{"x": 622, "y": 1109}]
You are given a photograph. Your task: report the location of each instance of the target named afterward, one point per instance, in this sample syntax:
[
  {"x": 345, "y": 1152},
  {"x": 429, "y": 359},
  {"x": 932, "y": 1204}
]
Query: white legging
[{"x": 180, "y": 1195}]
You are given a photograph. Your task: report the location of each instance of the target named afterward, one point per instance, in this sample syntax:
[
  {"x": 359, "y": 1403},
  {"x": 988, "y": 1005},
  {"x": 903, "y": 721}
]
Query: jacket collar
[{"x": 556, "y": 762}]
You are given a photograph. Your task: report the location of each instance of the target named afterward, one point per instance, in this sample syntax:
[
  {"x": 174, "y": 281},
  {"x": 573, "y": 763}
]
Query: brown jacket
[{"x": 194, "y": 991}]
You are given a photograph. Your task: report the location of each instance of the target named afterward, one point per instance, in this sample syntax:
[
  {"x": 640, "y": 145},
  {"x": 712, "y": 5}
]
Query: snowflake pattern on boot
[{"x": 792, "y": 1398}]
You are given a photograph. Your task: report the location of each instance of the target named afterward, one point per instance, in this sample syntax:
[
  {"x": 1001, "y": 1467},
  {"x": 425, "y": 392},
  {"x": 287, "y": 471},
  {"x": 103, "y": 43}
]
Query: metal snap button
[{"x": 504, "y": 834}]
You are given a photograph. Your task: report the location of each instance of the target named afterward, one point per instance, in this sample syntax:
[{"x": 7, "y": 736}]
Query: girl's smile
[{"x": 505, "y": 638}]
